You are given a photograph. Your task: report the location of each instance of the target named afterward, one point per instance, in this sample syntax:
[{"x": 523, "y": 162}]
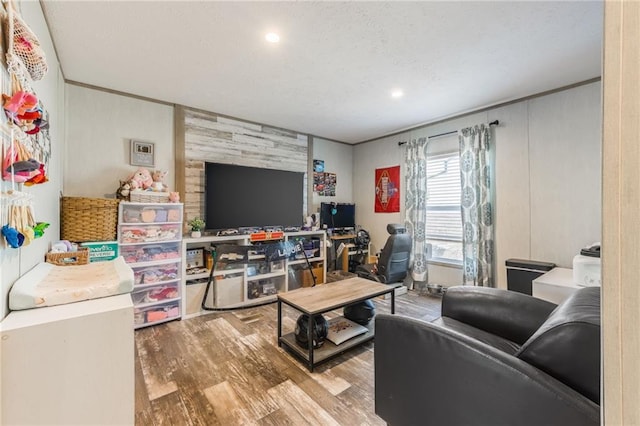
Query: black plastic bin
[{"x": 522, "y": 272}]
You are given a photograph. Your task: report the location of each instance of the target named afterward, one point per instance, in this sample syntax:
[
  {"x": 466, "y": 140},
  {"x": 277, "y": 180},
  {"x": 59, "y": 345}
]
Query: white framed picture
[{"x": 142, "y": 153}]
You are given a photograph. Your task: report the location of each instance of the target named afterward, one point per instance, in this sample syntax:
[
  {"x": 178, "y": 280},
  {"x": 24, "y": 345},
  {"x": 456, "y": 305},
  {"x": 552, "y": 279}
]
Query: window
[{"x": 444, "y": 221}]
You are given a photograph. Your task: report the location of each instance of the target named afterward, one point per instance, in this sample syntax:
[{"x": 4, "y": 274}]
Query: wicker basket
[
  {"x": 88, "y": 219},
  {"x": 148, "y": 197},
  {"x": 71, "y": 258}
]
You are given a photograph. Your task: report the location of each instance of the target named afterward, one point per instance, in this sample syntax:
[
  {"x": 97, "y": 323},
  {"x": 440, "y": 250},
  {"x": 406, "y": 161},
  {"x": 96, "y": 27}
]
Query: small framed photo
[{"x": 142, "y": 154}]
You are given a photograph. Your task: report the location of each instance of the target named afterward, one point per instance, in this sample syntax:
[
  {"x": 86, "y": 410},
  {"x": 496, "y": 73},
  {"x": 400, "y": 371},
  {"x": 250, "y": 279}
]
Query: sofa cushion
[
  {"x": 494, "y": 340},
  {"x": 567, "y": 345}
]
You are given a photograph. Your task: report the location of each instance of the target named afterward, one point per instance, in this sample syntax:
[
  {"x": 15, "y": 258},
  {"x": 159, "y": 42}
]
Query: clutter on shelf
[
  {"x": 66, "y": 253},
  {"x": 145, "y": 186}
]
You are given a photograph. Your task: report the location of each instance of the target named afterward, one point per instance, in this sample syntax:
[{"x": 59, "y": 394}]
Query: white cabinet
[
  {"x": 244, "y": 276},
  {"x": 555, "y": 286},
  {"x": 149, "y": 236},
  {"x": 69, "y": 364}
]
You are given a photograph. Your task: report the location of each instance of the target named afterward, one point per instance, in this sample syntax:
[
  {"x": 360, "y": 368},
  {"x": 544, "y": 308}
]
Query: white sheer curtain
[
  {"x": 416, "y": 208},
  {"x": 477, "y": 210}
]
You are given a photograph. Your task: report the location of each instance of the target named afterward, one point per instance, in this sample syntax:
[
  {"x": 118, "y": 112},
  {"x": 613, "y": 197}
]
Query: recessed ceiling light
[
  {"x": 272, "y": 37},
  {"x": 397, "y": 93}
]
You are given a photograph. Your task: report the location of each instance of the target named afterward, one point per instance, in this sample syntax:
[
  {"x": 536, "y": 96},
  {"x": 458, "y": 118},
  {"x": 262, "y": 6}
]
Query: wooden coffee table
[{"x": 317, "y": 300}]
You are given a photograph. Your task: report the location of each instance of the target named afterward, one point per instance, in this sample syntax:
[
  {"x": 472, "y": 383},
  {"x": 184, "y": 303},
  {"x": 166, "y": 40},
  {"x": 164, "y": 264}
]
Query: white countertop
[
  {"x": 559, "y": 277},
  {"x": 555, "y": 286}
]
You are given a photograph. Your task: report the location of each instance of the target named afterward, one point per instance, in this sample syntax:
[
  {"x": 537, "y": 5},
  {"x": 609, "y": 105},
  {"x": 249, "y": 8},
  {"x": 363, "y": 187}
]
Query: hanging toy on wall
[
  {"x": 23, "y": 109},
  {"x": 38, "y": 230},
  {"x": 25, "y": 116},
  {"x": 12, "y": 236},
  {"x": 19, "y": 166},
  {"x": 20, "y": 104},
  {"x": 19, "y": 226},
  {"x": 24, "y": 51}
]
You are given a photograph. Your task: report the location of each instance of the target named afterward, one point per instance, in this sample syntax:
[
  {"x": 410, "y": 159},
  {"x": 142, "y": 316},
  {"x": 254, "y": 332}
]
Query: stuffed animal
[
  {"x": 123, "y": 192},
  {"x": 143, "y": 178},
  {"x": 158, "y": 184},
  {"x": 174, "y": 197}
]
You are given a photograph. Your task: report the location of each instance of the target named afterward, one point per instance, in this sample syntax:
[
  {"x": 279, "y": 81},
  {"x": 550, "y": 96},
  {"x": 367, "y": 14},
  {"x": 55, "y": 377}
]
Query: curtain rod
[{"x": 493, "y": 123}]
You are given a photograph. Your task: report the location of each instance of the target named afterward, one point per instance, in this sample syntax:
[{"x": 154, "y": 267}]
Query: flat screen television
[
  {"x": 239, "y": 196},
  {"x": 337, "y": 216}
]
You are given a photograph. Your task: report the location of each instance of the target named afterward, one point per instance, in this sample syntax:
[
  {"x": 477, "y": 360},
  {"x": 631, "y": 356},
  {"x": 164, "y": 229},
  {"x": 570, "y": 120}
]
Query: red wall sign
[{"x": 387, "y": 190}]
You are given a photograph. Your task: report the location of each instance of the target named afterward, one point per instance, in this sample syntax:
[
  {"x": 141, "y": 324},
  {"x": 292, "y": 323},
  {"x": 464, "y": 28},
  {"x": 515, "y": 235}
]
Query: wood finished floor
[{"x": 226, "y": 369}]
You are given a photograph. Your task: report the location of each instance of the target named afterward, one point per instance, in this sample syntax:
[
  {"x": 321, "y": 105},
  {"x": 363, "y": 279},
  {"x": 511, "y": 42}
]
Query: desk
[
  {"x": 555, "y": 286},
  {"x": 343, "y": 237},
  {"x": 349, "y": 249}
]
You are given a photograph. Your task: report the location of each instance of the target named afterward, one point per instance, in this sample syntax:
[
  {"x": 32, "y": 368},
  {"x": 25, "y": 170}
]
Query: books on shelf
[{"x": 342, "y": 329}]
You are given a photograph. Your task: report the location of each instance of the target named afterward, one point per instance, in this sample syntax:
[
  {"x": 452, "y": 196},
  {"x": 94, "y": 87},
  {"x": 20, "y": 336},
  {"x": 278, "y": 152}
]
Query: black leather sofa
[{"x": 495, "y": 357}]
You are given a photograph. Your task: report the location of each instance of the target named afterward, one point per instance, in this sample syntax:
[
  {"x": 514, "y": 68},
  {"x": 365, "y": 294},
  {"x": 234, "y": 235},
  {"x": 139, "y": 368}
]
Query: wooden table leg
[{"x": 345, "y": 259}]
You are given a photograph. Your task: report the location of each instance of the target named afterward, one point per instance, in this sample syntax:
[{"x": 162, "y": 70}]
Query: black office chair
[{"x": 393, "y": 262}]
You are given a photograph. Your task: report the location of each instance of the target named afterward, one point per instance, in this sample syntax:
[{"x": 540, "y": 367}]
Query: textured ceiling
[{"x": 333, "y": 71}]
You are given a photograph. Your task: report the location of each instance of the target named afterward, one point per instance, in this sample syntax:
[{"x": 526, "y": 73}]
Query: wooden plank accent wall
[
  {"x": 208, "y": 137},
  {"x": 178, "y": 135}
]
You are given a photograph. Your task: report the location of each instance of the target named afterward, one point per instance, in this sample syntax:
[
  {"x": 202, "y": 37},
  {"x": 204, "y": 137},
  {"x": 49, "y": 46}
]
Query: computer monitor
[{"x": 337, "y": 216}]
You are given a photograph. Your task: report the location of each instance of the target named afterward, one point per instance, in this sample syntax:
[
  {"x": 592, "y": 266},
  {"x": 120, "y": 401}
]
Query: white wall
[
  {"x": 547, "y": 178},
  {"x": 367, "y": 158},
  {"x": 565, "y": 151},
  {"x": 338, "y": 159},
  {"x": 512, "y": 213},
  {"x": 16, "y": 262},
  {"x": 100, "y": 126}
]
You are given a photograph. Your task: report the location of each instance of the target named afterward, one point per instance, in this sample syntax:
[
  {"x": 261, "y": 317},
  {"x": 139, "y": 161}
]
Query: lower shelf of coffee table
[{"x": 328, "y": 349}]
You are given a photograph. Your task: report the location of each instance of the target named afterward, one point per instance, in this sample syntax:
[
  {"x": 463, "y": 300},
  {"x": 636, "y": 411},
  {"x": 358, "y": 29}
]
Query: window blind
[{"x": 444, "y": 221}]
